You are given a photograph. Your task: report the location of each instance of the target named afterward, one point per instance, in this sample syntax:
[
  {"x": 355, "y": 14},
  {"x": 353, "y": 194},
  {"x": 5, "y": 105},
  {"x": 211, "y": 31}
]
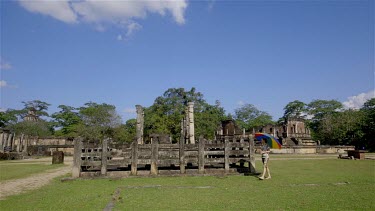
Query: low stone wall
[
  {"x": 333, "y": 149},
  {"x": 50, "y": 141},
  {"x": 321, "y": 149},
  {"x": 46, "y": 150}
]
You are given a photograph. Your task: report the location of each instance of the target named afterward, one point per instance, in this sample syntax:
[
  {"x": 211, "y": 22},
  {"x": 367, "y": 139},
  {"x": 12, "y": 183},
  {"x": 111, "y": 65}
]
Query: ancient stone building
[
  {"x": 31, "y": 116},
  {"x": 293, "y": 131},
  {"x": 228, "y": 128}
]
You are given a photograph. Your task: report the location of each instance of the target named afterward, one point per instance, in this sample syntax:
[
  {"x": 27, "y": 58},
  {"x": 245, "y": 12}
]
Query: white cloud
[
  {"x": 356, "y": 102},
  {"x": 3, "y": 83},
  {"x": 114, "y": 12},
  {"x": 132, "y": 27},
  {"x": 130, "y": 110},
  {"x": 58, "y": 9},
  {"x": 4, "y": 65},
  {"x": 2, "y": 110}
]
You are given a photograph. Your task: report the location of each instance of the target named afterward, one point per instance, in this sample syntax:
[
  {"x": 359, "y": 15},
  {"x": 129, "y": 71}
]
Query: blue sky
[{"x": 266, "y": 53}]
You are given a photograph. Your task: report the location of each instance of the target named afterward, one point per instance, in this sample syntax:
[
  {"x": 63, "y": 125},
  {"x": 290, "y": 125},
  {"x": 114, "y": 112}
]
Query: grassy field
[
  {"x": 16, "y": 170},
  {"x": 310, "y": 184}
]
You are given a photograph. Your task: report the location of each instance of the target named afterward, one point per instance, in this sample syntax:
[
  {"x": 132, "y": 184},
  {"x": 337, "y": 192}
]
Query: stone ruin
[
  {"x": 292, "y": 132},
  {"x": 189, "y": 156}
]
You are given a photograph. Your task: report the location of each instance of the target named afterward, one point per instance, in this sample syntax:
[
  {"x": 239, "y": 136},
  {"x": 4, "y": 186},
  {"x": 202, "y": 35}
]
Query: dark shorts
[{"x": 265, "y": 160}]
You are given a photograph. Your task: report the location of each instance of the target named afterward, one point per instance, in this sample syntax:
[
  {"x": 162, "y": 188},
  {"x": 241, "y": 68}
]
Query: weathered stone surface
[{"x": 57, "y": 157}]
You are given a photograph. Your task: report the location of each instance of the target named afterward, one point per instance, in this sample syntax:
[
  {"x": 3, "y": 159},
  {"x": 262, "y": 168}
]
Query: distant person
[{"x": 265, "y": 150}]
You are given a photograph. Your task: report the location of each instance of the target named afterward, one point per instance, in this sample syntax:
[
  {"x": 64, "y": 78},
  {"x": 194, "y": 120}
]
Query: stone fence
[
  {"x": 319, "y": 149},
  {"x": 204, "y": 157}
]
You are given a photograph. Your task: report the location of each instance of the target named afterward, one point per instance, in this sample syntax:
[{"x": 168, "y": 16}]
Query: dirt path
[{"x": 17, "y": 186}]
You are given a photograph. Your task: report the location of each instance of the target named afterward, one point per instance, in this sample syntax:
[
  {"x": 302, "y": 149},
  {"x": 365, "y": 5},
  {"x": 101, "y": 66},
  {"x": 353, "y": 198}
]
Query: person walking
[{"x": 265, "y": 150}]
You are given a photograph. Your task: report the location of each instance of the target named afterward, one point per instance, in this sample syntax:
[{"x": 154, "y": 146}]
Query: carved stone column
[
  {"x": 140, "y": 123},
  {"x": 191, "y": 122},
  {"x": 2, "y": 134}
]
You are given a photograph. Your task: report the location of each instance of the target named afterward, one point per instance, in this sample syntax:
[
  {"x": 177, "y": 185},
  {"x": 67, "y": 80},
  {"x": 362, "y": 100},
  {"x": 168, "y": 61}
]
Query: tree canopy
[
  {"x": 248, "y": 117},
  {"x": 165, "y": 115},
  {"x": 329, "y": 123},
  {"x": 98, "y": 121},
  {"x": 295, "y": 109}
]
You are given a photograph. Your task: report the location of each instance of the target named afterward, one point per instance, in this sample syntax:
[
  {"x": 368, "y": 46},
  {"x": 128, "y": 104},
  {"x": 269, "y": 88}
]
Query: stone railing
[{"x": 204, "y": 157}]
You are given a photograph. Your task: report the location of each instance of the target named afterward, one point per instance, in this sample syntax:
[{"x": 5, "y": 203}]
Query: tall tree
[
  {"x": 341, "y": 128},
  {"x": 98, "y": 121},
  {"x": 8, "y": 118},
  {"x": 39, "y": 106},
  {"x": 248, "y": 117},
  {"x": 319, "y": 108},
  {"x": 368, "y": 128},
  {"x": 295, "y": 109},
  {"x": 67, "y": 120},
  {"x": 208, "y": 119},
  {"x": 126, "y": 132},
  {"x": 40, "y": 128},
  {"x": 165, "y": 115}
]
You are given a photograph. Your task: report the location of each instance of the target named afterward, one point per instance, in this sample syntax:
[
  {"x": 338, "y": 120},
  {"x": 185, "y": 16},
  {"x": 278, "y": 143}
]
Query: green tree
[
  {"x": 40, "y": 128},
  {"x": 8, "y": 118},
  {"x": 320, "y": 109},
  {"x": 248, "y": 117},
  {"x": 208, "y": 119},
  {"x": 98, "y": 121},
  {"x": 368, "y": 126},
  {"x": 165, "y": 115},
  {"x": 67, "y": 120},
  {"x": 341, "y": 128},
  {"x": 40, "y": 107},
  {"x": 294, "y": 109},
  {"x": 126, "y": 132}
]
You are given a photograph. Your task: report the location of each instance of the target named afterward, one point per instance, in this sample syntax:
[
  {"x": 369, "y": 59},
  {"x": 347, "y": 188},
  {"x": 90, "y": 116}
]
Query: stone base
[{"x": 58, "y": 157}]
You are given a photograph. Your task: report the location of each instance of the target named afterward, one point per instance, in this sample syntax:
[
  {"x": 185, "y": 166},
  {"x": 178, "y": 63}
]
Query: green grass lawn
[
  {"x": 13, "y": 170},
  {"x": 314, "y": 184}
]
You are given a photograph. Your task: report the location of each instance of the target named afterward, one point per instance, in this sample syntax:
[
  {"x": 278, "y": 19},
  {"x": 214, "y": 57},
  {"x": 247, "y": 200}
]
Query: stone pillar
[
  {"x": 242, "y": 140},
  {"x": 252, "y": 155},
  {"x": 191, "y": 122},
  {"x": 18, "y": 145},
  {"x": 13, "y": 142},
  {"x": 226, "y": 154},
  {"x": 9, "y": 139},
  {"x": 76, "y": 170},
  {"x": 139, "y": 126},
  {"x": 21, "y": 143},
  {"x": 274, "y": 131},
  {"x": 57, "y": 157},
  {"x": 296, "y": 128},
  {"x": 186, "y": 125},
  {"x": 103, "y": 169},
  {"x": 8, "y": 142},
  {"x": 154, "y": 157},
  {"x": 201, "y": 155},
  {"x": 182, "y": 147},
  {"x": 1, "y": 141},
  {"x": 25, "y": 143},
  {"x": 134, "y": 162},
  {"x": 5, "y": 138}
]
